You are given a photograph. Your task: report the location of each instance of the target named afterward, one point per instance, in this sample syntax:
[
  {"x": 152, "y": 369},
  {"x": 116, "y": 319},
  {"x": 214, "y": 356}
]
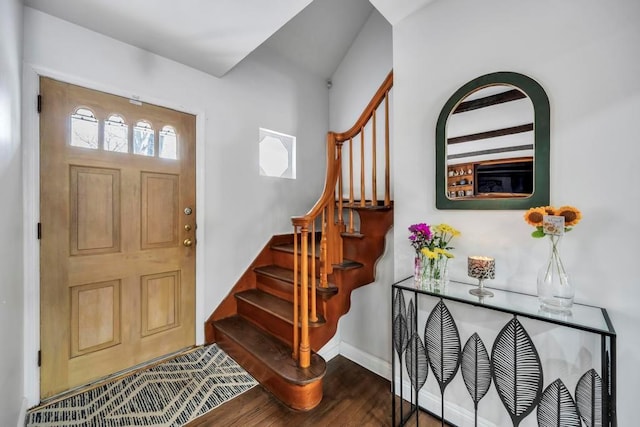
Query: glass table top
[{"x": 580, "y": 316}]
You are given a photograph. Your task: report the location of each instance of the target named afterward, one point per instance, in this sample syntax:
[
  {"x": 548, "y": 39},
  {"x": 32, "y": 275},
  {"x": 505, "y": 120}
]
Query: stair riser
[
  {"x": 288, "y": 296},
  {"x": 280, "y": 288},
  {"x": 285, "y": 259},
  {"x": 299, "y": 397},
  {"x": 375, "y": 223},
  {"x": 279, "y": 328},
  {"x": 352, "y": 279},
  {"x": 362, "y": 250}
]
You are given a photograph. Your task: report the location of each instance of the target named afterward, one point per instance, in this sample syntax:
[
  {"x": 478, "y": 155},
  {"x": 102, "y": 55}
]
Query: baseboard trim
[
  {"x": 366, "y": 360},
  {"x": 330, "y": 349},
  {"x": 454, "y": 414}
]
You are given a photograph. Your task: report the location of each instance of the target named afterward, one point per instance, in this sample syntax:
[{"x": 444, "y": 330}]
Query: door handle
[{"x": 187, "y": 242}]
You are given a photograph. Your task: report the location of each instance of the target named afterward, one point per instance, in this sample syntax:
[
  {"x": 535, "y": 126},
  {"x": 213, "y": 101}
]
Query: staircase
[{"x": 287, "y": 304}]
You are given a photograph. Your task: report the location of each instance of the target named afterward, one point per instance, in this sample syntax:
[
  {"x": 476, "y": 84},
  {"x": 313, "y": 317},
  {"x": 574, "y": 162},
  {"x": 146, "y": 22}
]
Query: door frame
[{"x": 31, "y": 210}]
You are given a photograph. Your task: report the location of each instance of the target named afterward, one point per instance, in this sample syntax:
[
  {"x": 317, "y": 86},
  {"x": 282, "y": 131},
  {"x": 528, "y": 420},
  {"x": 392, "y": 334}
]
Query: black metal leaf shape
[
  {"x": 411, "y": 319},
  {"x": 589, "y": 398},
  {"x": 557, "y": 408},
  {"x": 443, "y": 344},
  {"x": 400, "y": 334},
  {"x": 400, "y": 331},
  {"x": 476, "y": 368},
  {"x": 416, "y": 360},
  {"x": 516, "y": 370},
  {"x": 399, "y": 307}
]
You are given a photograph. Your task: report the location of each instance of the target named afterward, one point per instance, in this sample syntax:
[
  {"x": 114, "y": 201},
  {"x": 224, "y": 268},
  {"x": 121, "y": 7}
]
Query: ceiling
[
  {"x": 318, "y": 38},
  {"x": 215, "y": 35},
  {"x": 396, "y": 10}
]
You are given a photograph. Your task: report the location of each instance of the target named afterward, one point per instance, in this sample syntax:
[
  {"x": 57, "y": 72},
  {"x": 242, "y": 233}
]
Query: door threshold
[{"x": 114, "y": 377}]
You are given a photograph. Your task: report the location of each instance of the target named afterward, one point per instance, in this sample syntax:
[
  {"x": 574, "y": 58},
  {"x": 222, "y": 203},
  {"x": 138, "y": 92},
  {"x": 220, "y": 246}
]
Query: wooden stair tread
[
  {"x": 368, "y": 206},
  {"x": 273, "y": 305},
  {"x": 354, "y": 235},
  {"x": 345, "y": 264},
  {"x": 276, "y": 272},
  {"x": 288, "y": 248},
  {"x": 270, "y": 351},
  {"x": 286, "y": 275}
]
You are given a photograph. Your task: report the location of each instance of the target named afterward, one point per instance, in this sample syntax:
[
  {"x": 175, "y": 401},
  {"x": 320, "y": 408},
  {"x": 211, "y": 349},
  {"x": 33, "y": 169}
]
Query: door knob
[{"x": 187, "y": 242}]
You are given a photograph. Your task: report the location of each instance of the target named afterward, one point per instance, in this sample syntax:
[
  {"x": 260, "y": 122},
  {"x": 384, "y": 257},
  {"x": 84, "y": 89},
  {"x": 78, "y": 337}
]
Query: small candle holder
[{"x": 481, "y": 268}]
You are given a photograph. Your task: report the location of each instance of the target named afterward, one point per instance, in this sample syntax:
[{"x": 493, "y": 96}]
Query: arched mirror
[{"x": 492, "y": 145}]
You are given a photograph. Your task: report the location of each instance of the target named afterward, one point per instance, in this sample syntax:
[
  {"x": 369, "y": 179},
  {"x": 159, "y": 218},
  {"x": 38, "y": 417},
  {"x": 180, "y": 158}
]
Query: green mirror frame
[{"x": 535, "y": 92}]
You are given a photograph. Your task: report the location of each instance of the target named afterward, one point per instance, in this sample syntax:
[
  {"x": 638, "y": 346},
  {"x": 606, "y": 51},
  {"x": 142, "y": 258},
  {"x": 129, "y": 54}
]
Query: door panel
[
  {"x": 159, "y": 210},
  {"x": 160, "y": 302},
  {"x": 117, "y": 284},
  {"x": 95, "y": 210},
  {"x": 95, "y": 317}
]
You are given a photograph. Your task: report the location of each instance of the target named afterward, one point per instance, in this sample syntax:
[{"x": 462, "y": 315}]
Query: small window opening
[
  {"x": 277, "y": 154},
  {"x": 168, "y": 143},
  {"x": 115, "y": 134},
  {"x": 84, "y": 129},
  {"x": 143, "y": 139}
]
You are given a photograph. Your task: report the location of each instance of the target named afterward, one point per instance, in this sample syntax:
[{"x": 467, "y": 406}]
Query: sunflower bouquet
[
  {"x": 535, "y": 217},
  {"x": 555, "y": 290}
]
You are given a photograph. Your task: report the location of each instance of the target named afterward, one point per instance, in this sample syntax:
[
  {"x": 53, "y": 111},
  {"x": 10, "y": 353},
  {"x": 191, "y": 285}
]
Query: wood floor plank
[{"x": 353, "y": 396}]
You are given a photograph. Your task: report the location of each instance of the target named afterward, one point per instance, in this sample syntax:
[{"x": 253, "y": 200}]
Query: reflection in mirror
[{"x": 492, "y": 145}]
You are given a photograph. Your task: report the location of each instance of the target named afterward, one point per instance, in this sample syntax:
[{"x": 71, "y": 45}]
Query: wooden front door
[{"x": 117, "y": 254}]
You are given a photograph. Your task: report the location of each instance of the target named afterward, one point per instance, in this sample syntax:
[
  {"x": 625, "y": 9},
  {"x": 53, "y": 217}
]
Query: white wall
[
  {"x": 585, "y": 55},
  {"x": 361, "y": 72},
  {"x": 238, "y": 210},
  {"x": 364, "y": 68},
  {"x": 11, "y": 306}
]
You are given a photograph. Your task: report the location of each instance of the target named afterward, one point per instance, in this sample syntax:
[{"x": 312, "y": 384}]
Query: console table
[{"x": 436, "y": 345}]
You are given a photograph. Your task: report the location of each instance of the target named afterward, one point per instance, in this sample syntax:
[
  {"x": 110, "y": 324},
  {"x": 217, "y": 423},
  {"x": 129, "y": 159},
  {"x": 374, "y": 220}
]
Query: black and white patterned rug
[{"x": 169, "y": 394}]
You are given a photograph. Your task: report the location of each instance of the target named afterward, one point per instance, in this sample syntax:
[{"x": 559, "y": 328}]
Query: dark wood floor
[{"x": 353, "y": 396}]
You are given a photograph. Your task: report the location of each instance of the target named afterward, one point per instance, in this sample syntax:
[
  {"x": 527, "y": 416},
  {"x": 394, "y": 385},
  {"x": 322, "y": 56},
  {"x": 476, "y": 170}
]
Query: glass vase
[
  {"x": 417, "y": 271},
  {"x": 431, "y": 274},
  {"x": 555, "y": 289}
]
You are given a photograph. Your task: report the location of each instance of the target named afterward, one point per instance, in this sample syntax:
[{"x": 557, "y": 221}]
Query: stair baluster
[
  {"x": 374, "y": 187},
  {"x": 387, "y": 167},
  {"x": 313, "y": 317},
  {"x": 351, "y": 196},
  {"x": 296, "y": 299},
  {"x": 363, "y": 197}
]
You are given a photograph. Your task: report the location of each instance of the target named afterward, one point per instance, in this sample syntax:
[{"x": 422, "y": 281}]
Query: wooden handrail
[
  {"x": 368, "y": 111},
  {"x": 331, "y": 222},
  {"x": 327, "y": 193}
]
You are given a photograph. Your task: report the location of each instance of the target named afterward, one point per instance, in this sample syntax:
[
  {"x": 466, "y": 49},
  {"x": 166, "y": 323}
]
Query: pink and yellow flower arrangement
[
  {"x": 432, "y": 246},
  {"x": 432, "y": 241}
]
